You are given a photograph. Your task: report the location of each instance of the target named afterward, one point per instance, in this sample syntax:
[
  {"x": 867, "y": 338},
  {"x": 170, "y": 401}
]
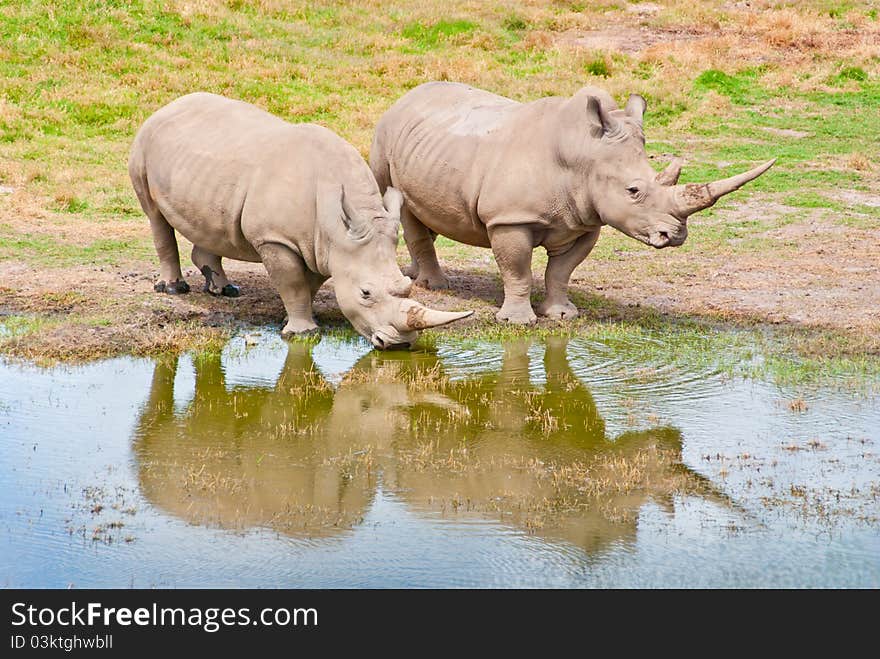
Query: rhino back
[
  {"x": 466, "y": 158},
  {"x": 228, "y": 175}
]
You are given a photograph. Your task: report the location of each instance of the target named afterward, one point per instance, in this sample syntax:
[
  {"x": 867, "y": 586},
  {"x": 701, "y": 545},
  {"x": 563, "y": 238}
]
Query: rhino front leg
[
  {"x": 425, "y": 270},
  {"x": 512, "y": 246},
  {"x": 216, "y": 281},
  {"x": 560, "y": 265},
  {"x": 290, "y": 277}
]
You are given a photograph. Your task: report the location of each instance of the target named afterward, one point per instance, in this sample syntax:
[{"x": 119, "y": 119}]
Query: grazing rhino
[
  {"x": 488, "y": 171},
  {"x": 243, "y": 184}
]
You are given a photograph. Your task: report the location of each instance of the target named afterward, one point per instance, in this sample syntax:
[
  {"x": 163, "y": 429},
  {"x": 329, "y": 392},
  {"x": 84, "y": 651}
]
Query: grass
[
  {"x": 78, "y": 81},
  {"x": 726, "y": 88},
  {"x": 788, "y": 358},
  {"x": 49, "y": 251},
  {"x": 428, "y": 37}
]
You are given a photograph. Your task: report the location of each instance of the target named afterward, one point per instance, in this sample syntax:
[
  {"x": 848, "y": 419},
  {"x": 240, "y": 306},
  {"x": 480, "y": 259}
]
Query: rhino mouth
[
  {"x": 661, "y": 239},
  {"x": 389, "y": 339}
]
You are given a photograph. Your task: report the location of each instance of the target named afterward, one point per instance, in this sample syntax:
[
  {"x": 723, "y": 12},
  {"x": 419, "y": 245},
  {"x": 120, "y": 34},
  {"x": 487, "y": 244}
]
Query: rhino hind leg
[
  {"x": 512, "y": 246},
  {"x": 211, "y": 267},
  {"x": 425, "y": 270},
  {"x": 171, "y": 279},
  {"x": 296, "y": 286},
  {"x": 560, "y": 265}
]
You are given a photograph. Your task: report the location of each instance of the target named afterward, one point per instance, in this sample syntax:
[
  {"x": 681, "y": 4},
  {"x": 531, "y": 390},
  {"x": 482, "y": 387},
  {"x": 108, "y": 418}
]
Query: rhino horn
[
  {"x": 669, "y": 176},
  {"x": 414, "y": 316},
  {"x": 692, "y": 197},
  {"x": 393, "y": 200}
]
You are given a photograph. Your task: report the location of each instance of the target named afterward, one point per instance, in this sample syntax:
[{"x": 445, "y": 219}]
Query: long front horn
[
  {"x": 692, "y": 197},
  {"x": 414, "y": 316}
]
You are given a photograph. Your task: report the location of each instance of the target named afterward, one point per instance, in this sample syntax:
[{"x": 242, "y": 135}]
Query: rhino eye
[
  {"x": 365, "y": 293},
  {"x": 633, "y": 189}
]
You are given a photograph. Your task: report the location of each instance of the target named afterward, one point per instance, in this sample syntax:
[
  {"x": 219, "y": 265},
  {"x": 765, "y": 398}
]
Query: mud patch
[
  {"x": 858, "y": 198},
  {"x": 786, "y": 132}
]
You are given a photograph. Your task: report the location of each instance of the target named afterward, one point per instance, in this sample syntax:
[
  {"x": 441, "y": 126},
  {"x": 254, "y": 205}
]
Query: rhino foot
[
  {"x": 558, "y": 311},
  {"x": 432, "y": 282},
  {"x": 517, "y": 314},
  {"x": 299, "y": 328},
  {"x": 178, "y": 287},
  {"x": 230, "y": 290}
]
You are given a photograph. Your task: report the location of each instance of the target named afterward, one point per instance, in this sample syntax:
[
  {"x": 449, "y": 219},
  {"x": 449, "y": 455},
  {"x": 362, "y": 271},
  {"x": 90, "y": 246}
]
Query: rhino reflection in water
[{"x": 306, "y": 460}]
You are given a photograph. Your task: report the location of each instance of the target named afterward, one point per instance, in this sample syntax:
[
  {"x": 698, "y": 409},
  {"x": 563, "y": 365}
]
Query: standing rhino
[
  {"x": 488, "y": 171},
  {"x": 242, "y": 184}
]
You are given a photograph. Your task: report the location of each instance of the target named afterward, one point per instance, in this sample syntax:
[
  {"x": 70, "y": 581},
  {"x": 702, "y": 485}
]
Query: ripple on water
[{"x": 415, "y": 486}]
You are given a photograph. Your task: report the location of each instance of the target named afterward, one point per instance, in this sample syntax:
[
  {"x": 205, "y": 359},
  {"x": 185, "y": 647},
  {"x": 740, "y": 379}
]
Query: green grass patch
[
  {"x": 75, "y": 205},
  {"x": 47, "y": 251},
  {"x": 689, "y": 345},
  {"x": 12, "y": 327},
  {"x": 424, "y": 37},
  {"x": 598, "y": 67},
  {"x": 851, "y": 73},
  {"x": 741, "y": 88}
]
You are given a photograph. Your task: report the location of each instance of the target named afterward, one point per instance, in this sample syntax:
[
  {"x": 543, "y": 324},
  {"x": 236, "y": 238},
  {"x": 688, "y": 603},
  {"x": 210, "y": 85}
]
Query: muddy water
[{"x": 548, "y": 463}]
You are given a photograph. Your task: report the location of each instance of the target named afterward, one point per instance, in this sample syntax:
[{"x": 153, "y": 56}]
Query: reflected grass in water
[{"x": 304, "y": 457}]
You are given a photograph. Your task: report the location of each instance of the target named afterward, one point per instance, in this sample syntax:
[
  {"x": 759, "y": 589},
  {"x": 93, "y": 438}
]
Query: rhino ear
[
  {"x": 635, "y": 107},
  {"x": 601, "y": 122},
  {"x": 358, "y": 228}
]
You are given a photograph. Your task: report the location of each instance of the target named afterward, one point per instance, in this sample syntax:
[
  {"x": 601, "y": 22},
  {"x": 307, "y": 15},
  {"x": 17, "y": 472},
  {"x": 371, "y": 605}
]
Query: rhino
[
  {"x": 488, "y": 171},
  {"x": 255, "y": 455},
  {"x": 240, "y": 183}
]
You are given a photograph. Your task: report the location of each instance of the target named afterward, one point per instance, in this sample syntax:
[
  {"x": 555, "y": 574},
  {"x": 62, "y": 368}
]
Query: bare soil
[
  {"x": 812, "y": 275},
  {"x": 629, "y": 39}
]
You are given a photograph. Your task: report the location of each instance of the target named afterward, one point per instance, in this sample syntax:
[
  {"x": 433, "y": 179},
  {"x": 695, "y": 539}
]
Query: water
[{"x": 563, "y": 463}]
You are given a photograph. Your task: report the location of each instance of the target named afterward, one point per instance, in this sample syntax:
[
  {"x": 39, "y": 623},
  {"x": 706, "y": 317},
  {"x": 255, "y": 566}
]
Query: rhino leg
[
  {"x": 560, "y": 265},
  {"x": 171, "y": 279},
  {"x": 160, "y": 404},
  {"x": 512, "y": 246},
  {"x": 216, "y": 281},
  {"x": 290, "y": 277},
  {"x": 425, "y": 269},
  {"x": 412, "y": 270}
]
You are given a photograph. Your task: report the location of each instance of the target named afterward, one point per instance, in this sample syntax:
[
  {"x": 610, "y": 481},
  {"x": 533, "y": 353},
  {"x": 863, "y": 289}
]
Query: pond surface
[{"x": 557, "y": 463}]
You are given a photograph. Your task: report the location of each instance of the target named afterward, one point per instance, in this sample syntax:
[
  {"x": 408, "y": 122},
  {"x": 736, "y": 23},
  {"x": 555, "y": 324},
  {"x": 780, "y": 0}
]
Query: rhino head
[
  {"x": 359, "y": 250},
  {"x": 625, "y": 191}
]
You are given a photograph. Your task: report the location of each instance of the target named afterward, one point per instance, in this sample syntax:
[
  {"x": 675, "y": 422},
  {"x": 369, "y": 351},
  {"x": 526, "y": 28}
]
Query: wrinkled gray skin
[
  {"x": 488, "y": 171},
  {"x": 240, "y": 183}
]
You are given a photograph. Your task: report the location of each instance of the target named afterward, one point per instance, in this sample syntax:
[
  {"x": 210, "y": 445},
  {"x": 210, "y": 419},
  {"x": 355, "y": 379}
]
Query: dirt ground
[{"x": 822, "y": 277}]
